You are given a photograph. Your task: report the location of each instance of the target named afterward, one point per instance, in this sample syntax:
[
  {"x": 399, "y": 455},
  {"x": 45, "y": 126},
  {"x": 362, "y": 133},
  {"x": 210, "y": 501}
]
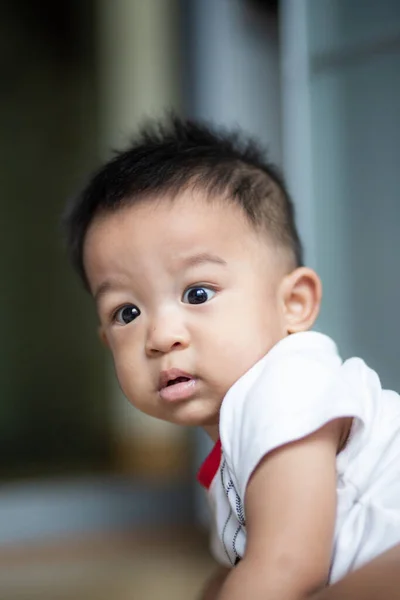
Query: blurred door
[{"x": 348, "y": 94}]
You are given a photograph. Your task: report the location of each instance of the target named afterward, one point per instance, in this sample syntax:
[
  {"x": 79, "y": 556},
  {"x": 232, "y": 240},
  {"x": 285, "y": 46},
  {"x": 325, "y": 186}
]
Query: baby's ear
[
  {"x": 302, "y": 293},
  {"x": 102, "y": 336}
]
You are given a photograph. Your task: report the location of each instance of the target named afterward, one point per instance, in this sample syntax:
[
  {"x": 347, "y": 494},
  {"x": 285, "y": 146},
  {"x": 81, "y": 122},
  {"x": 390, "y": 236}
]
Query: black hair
[{"x": 174, "y": 154}]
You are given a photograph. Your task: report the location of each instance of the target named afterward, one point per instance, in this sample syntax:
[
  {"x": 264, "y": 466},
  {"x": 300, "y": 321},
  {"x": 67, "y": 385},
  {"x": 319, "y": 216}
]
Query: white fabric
[{"x": 299, "y": 386}]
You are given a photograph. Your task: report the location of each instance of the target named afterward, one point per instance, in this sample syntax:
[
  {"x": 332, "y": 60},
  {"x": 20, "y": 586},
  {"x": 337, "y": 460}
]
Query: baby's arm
[
  {"x": 215, "y": 583},
  {"x": 290, "y": 506},
  {"x": 378, "y": 580}
]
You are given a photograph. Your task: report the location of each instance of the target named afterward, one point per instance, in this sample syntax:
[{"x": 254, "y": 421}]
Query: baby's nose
[{"x": 165, "y": 335}]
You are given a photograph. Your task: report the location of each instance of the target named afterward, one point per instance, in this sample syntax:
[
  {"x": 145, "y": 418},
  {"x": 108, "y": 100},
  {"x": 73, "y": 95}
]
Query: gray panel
[
  {"x": 337, "y": 25},
  {"x": 355, "y": 132}
]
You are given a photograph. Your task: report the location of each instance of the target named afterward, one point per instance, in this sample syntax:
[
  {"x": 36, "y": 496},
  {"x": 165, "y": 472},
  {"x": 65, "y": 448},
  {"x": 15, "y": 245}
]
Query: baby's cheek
[
  {"x": 230, "y": 364},
  {"x": 133, "y": 378},
  {"x": 239, "y": 357},
  {"x": 125, "y": 375}
]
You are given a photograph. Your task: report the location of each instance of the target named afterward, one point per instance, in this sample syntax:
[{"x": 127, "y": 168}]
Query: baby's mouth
[
  {"x": 173, "y": 377},
  {"x": 176, "y": 385},
  {"x": 177, "y": 380}
]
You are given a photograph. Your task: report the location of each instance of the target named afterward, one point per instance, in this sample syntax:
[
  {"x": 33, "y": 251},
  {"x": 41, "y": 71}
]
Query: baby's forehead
[
  {"x": 173, "y": 226},
  {"x": 189, "y": 217}
]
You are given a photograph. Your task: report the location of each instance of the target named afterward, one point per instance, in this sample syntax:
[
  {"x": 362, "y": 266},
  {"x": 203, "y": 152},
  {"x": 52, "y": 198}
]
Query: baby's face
[{"x": 189, "y": 298}]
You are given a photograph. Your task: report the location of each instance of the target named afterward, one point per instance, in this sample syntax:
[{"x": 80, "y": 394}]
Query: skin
[
  {"x": 146, "y": 261},
  {"x": 378, "y": 580}
]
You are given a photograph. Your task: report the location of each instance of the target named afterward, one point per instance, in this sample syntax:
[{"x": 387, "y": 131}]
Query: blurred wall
[{"x": 53, "y": 409}]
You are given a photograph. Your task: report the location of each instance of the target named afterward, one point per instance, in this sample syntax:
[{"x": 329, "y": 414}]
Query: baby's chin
[{"x": 195, "y": 413}]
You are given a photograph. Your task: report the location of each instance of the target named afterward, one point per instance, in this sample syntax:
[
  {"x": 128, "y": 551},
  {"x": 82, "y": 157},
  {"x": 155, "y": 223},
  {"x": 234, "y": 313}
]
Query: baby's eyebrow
[
  {"x": 201, "y": 258},
  {"x": 189, "y": 261},
  {"x": 103, "y": 289}
]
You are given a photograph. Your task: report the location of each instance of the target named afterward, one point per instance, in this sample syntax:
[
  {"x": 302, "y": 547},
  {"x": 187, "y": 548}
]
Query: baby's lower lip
[{"x": 178, "y": 391}]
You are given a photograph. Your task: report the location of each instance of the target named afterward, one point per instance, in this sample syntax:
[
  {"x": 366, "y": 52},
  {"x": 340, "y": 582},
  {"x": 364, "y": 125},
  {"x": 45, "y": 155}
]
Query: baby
[{"x": 188, "y": 245}]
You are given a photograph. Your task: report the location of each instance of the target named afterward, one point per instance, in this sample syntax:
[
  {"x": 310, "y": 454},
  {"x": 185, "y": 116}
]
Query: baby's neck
[{"x": 212, "y": 431}]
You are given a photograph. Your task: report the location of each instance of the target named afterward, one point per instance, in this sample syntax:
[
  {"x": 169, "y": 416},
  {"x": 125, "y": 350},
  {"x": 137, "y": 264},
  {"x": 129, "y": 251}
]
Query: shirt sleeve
[{"x": 290, "y": 399}]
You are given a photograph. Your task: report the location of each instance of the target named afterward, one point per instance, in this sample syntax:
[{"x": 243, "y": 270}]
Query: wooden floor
[{"x": 170, "y": 565}]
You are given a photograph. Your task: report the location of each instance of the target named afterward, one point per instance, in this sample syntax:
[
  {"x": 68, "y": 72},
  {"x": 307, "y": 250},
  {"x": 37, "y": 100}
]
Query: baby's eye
[
  {"x": 126, "y": 314},
  {"x": 198, "y": 295}
]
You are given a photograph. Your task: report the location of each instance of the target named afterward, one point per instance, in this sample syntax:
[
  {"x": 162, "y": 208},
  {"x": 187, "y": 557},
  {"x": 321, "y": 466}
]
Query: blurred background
[{"x": 97, "y": 501}]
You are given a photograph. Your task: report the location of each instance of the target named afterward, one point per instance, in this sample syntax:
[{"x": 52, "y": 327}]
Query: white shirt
[{"x": 299, "y": 386}]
